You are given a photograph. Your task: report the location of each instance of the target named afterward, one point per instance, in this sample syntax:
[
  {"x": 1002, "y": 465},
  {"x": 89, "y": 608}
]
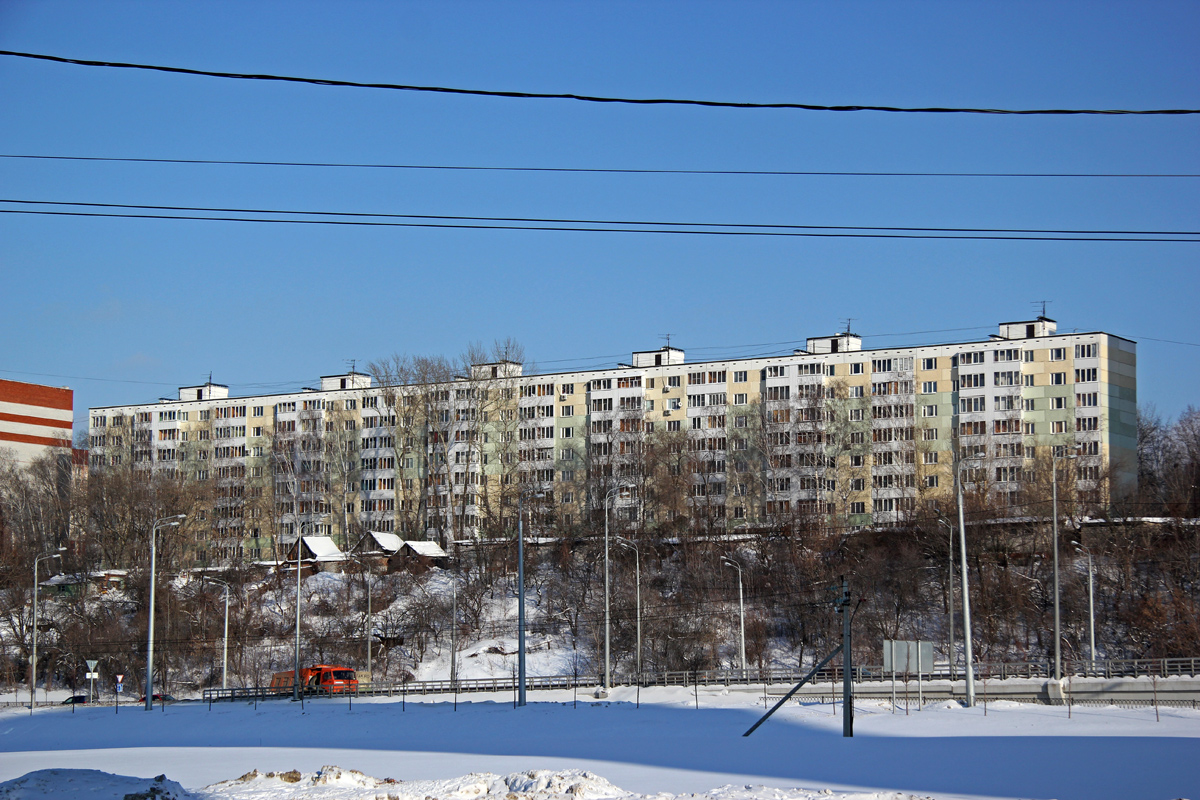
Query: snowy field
[{"x": 486, "y": 749}]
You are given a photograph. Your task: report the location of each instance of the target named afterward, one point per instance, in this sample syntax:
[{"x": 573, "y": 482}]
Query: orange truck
[{"x": 319, "y": 679}]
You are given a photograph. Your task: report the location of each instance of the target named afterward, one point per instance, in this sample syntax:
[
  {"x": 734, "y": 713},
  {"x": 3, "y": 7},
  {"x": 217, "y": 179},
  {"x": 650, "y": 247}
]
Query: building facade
[
  {"x": 35, "y": 420},
  {"x": 828, "y": 435}
]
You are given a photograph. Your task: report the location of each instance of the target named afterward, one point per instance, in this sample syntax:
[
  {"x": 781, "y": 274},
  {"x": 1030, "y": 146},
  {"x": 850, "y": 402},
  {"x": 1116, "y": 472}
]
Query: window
[
  {"x": 779, "y": 371},
  {"x": 967, "y": 358},
  {"x": 1027, "y": 404},
  {"x": 1006, "y": 379},
  {"x": 881, "y": 365},
  {"x": 856, "y": 392},
  {"x": 739, "y": 377},
  {"x": 1058, "y": 354},
  {"x": 674, "y": 404},
  {"x": 1085, "y": 375},
  {"x": 739, "y": 422},
  {"x": 567, "y": 433},
  {"x": 673, "y": 425},
  {"x": 929, "y": 458},
  {"x": 1058, "y": 402},
  {"x": 858, "y": 437},
  {"x": 1007, "y": 355},
  {"x": 1086, "y": 350},
  {"x": 739, "y": 399},
  {"x": 717, "y": 376},
  {"x": 1027, "y": 429},
  {"x": 858, "y": 484},
  {"x": 855, "y": 415},
  {"x": 602, "y": 404},
  {"x": 1027, "y": 356},
  {"x": 928, "y": 411},
  {"x": 1086, "y": 400},
  {"x": 856, "y": 461},
  {"x": 858, "y": 508},
  {"x": 928, "y": 363},
  {"x": 968, "y": 405},
  {"x": 1087, "y": 424},
  {"x": 856, "y": 369},
  {"x": 1058, "y": 378},
  {"x": 673, "y": 381},
  {"x": 931, "y": 481},
  {"x": 1004, "y": 403},
  {"x": 1058, "y": 426},
  {"x": 1027, "y": 380},
  {"x": 928, "y": 387}
]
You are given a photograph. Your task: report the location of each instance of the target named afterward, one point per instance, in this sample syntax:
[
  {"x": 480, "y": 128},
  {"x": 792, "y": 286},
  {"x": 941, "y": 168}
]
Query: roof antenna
[
  {"x": 1042, "y": 303},
  {"x": 210, "y": 377},
  {"x": 666, "y": 336},
  {"x": 848, "y": 321},
  {"x": 352, "y": 361}
]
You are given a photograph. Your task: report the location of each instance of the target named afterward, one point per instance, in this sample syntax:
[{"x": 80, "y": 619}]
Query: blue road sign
[{"x": 120, "y": 687}]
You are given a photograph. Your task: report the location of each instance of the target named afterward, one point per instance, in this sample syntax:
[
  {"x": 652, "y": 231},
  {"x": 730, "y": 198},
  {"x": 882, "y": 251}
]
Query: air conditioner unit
[
  {"x": 666, "y": 389},
  {"x": 562, "y": 397},
  {"x": 667, "y": 412}
]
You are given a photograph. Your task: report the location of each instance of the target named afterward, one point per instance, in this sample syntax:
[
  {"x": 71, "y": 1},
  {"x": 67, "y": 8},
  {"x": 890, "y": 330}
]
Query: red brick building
[{"x": 34, "y": 419}]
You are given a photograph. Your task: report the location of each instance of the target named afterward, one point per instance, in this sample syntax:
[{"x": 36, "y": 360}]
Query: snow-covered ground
[{"x": 551, "y": 749}]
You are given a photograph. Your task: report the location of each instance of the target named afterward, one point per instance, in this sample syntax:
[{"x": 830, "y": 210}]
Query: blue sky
[{"x": 131, "y": 309}]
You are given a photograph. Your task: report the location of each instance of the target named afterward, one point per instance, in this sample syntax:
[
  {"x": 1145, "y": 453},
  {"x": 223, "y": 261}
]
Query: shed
[{"x": 417, "y": 556}]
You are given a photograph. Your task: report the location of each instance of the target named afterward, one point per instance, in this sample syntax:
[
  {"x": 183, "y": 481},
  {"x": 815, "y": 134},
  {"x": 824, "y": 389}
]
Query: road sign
[
  {"x": 120, "y": 687},
  {"x": 120, "y": 678},
  {"x": 92, "y": 676},
  {"x": 92, "y": 665}
]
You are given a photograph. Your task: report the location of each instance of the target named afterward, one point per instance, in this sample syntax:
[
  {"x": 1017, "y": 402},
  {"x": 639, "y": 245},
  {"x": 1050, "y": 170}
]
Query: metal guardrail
[{"x": 1123, "y": 668}]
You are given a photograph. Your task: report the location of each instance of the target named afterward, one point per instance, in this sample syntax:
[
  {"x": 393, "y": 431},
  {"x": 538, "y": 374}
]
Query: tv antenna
[
  {"x": 1042, "y": 303},
  {"x": 351, "y": 362},
  {"x": 848, "y": 321},
  {"x": 666, "y": 336}
]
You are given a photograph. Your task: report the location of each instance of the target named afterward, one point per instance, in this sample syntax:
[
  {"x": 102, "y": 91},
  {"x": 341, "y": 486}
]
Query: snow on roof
[
  {"x": 323, "y": 548},
  {"x": 388, "y": 542},
  {"x": 427, "y": 549}
]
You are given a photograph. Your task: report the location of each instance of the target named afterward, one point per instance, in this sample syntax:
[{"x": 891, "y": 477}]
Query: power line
[
  {"x": 605, "y": 226},
  {"x": 604, "y": 170},
  {"x": 588, "y": 98}
]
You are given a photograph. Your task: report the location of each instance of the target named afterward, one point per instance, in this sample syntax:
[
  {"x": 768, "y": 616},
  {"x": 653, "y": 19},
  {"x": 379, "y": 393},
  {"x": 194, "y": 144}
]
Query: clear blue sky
[{"x": 131, "y": 309}]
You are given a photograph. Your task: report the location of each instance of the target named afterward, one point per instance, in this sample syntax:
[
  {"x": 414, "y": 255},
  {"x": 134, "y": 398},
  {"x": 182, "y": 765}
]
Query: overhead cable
[
  {"x": 648, "y": 101},
  {"x": 602, "y": 170},
  {"x": 371, "y": 219}
]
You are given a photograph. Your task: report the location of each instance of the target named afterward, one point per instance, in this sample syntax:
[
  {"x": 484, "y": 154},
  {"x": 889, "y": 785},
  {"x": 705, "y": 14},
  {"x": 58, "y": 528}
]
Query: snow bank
[{"x": 93, "y": 784}]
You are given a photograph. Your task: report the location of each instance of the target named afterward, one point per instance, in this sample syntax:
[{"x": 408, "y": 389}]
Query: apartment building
[
  {"x": 35, "y": 420},
  {"x": 829, "y": 434}
]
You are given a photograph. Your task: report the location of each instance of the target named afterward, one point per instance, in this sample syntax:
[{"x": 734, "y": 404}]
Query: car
[
  {"x": 76, "y": 700},
  {"x": 158, "y": 698}
]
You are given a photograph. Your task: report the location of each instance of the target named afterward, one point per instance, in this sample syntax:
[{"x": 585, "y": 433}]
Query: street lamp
[
  {"x": 637, "y": 578},
  {"x": 729, "y": 562},
  {"x": 607, "y": 616},
  {"x": 531, "y": 491},
  {"x": 950, "y": 593},
  {"x": 1054, "y": 459},
  {"x": 296, "y": 663},
  {"x": 165, "y": 522},
  {"x": 33, "y": 654},
  {"x": 1091, "y": 602},
  {"x": 969, "y": 652},
  {"x": 225, "y": 638}
]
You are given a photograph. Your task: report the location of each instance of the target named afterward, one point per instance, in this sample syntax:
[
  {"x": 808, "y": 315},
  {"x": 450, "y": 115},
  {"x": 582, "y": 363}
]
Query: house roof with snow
[
  {"x": 387, "y": 542},
  {"x": 323, "y": 548},
  {"x": 425, "y": 548}
]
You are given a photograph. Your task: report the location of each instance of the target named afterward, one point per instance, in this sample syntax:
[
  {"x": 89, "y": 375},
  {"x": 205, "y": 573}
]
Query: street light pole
[
  {"x": 1091, "y": 604},
  {"x": 637, "y": 583},
  {"x": 969, "y": 652},
  {"x": 950, "y": 595},
  {"x": 33, "y": 655},
  {"x": 296, "y": 664},
  {"x": 607, "y": 617},
  {"x": 521, "y": 592},
  {"x": 225, "y": 638},
  {"x": 165, "y": 522},
  {"x": 1054, "y": 459},
  {"x": 729, "y": 562}
]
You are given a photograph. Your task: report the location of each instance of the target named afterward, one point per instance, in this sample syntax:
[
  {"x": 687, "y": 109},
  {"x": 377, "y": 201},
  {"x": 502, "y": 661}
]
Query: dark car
[
  {"x": 158, "y": 698},
  {"x": 76, "y": 700}
]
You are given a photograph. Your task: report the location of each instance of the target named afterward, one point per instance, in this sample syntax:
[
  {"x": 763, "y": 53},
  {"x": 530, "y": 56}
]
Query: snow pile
[
  {"x": 93, "y": 784},
  {"x": 335, "y": 783}
]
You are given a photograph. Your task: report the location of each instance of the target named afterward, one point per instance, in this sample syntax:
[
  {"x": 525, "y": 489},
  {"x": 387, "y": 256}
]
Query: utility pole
[{"x": 847, "y": 665}]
